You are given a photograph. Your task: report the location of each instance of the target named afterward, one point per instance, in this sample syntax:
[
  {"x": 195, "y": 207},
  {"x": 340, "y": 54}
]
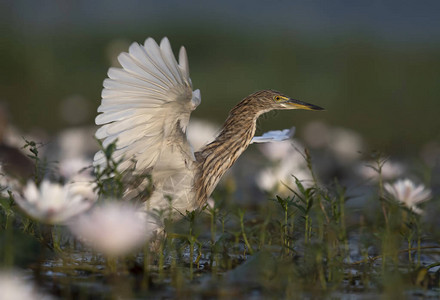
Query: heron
[{"x": 146, "y": 106}]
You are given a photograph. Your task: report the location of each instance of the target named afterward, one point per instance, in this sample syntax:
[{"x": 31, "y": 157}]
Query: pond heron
[{"x": 145, "y": 108}]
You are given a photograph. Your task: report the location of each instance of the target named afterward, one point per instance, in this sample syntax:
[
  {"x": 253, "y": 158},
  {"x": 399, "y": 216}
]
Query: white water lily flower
[
  {"x": 54, "y": 203},
  {"x": 407, "y": 193},
  {"x": 13, "y": 287},
  {"x": 113, "y": 228}
]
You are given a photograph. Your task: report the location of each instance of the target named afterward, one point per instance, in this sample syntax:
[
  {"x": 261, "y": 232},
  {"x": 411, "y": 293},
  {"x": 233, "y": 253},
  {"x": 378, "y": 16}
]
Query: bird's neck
[{"x": 216, "y": 158}]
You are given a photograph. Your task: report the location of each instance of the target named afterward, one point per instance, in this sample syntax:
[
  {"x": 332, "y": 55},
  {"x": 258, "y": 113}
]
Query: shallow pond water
[{"x": 86, "y": 275}]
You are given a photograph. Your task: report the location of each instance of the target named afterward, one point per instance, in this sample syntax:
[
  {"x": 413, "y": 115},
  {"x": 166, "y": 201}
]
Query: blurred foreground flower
[
  {"x": 13, "y": 287},
  {"x": 407, "y": 193},
  {"x": 54, "y": 203},
  {"x": 112, "y": 228}
]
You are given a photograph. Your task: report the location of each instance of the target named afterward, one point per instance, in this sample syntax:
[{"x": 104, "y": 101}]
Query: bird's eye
[{"x": 277, "y": 98}]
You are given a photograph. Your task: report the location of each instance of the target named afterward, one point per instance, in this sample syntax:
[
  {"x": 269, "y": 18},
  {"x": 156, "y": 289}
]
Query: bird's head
[{"x": 271, "y": 100}]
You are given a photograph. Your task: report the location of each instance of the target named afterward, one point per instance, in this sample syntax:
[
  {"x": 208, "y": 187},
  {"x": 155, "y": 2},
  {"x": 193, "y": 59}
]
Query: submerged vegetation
[{"x": 312, "y": 241}]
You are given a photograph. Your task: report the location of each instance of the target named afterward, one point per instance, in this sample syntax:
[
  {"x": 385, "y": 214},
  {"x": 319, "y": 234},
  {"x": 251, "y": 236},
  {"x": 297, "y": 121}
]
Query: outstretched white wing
[{"x": 146, "y": 106}]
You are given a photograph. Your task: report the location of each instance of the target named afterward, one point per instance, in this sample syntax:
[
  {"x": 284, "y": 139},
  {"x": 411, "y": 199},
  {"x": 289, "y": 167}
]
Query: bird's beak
[{"x": 297, "y": 104}]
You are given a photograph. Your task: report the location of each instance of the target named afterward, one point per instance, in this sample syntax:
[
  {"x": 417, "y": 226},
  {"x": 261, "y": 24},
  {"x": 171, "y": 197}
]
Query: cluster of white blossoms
[
  {"x": 408, "y": 194},
  {"x": 344, "y": 144},
  {"x": 112, "y": 228},
  {"x": 54, "y": 203}
]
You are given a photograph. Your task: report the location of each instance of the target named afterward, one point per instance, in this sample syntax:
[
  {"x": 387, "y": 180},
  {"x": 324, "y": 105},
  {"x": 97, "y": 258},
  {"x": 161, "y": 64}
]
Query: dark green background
[{"x": 382, "y": 80}]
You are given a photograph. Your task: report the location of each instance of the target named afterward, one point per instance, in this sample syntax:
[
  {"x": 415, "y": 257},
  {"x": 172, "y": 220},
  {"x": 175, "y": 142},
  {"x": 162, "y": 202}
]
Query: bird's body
[
  {"x": 146, "y": 107},
  {"x": 217, "y": 157}
]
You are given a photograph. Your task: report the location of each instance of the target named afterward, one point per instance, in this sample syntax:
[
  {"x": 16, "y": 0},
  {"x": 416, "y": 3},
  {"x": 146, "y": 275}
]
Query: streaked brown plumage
[{"x": 216, "y": 158}]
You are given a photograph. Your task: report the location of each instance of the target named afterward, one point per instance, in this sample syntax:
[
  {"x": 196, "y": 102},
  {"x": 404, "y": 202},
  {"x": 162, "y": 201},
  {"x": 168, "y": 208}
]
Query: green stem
[
  {"x": 161, "y": 260},
  {"x": 286, "y": 240},
  {"x": 146, "y": 249},
  {"x": 191, "y": 257},
  {"x": 263, "y": 232},
  {"x": 436, "y": 264},
  {"x": 419, "y": 246},
  {"x": 243, "y": 232},
  {"x": 213, "y": 247},
  {"x": 56, "y": 238},
  {"x": 111, "y": 264},
  {"x": 306, "y": 229},
  {"x": 8, "y": 258}
]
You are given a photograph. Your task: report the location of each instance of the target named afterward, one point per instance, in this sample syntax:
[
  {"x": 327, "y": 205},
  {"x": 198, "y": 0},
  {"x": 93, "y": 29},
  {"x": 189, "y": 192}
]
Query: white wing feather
[
  {"x": 146, "y": 106},
  {"x": 274, "y": 136}
]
